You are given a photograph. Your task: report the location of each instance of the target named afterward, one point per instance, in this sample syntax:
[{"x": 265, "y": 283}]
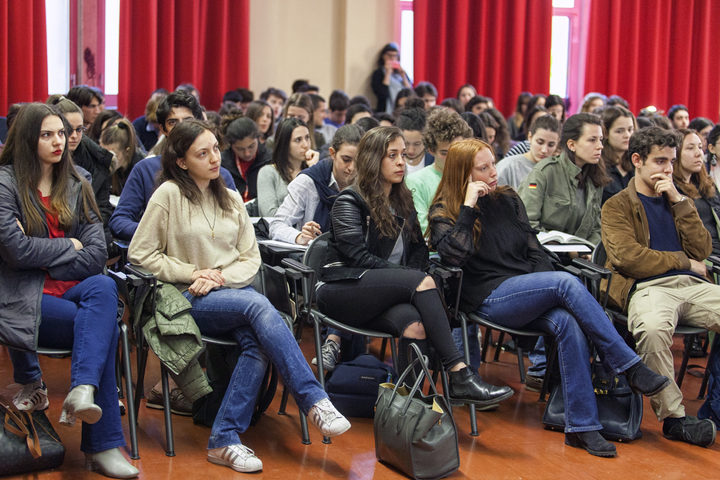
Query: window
[
  {"x": 407, "y": 37},
  {"x": 568, "y": 51}
]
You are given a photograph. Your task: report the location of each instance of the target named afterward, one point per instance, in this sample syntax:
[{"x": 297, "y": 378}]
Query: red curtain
[
  {"x": 656, "y": 52},
  {"x": 502, "y": 47},
  {"x": 165, "y": 42},
  {"x": 23, "y": 52}
]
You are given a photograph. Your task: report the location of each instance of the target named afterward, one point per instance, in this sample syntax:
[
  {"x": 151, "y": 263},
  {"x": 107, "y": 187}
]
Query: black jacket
[
  {"x": 96, "y": 160},
  {"x": 262, "y": 158},
  {"x": 356, "y": 244}
]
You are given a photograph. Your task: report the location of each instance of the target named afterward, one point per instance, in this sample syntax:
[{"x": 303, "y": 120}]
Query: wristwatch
[{"x": 682, "y": 198}]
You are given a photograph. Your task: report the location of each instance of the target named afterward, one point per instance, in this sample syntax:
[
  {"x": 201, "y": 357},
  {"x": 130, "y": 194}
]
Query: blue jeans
[
  {"x": 251, "y": 320},
  {"x": 558, "y": 303},
  {"x": 473, "y": 343},
  {"x": 537, "y": 359},
  {"x": 84, "y": 319}
]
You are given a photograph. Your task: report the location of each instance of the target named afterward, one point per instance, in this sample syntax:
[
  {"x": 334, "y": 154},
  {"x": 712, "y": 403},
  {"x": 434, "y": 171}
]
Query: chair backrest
[
  {"x": 316, "y": 254},
  {"x": 599, "y": 256}
]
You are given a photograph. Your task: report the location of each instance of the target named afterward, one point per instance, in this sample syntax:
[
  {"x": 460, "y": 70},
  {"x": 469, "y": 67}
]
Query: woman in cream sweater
[{"x": 197, "y": 235}]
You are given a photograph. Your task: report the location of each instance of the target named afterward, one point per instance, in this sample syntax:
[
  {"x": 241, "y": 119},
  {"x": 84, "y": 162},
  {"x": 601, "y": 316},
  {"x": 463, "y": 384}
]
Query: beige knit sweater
[{"x": 174, "y": 239}]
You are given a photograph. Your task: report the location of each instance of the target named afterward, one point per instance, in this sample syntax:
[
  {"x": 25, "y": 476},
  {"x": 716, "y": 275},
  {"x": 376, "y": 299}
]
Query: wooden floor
[{"x": 512, "y": 443}]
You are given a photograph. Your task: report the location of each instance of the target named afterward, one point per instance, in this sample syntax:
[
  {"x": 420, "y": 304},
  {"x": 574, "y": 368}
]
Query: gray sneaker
[{"x": 330, "y": 355}]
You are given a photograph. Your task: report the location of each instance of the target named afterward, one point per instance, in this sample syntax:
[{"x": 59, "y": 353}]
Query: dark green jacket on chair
[{"x": 172, "y": 334}]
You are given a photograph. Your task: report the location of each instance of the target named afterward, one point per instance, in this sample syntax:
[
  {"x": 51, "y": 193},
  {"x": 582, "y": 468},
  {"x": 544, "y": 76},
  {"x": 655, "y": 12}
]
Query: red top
[
  {"x": 53, "y": 287},
  {"x": 244, "y": 167}
]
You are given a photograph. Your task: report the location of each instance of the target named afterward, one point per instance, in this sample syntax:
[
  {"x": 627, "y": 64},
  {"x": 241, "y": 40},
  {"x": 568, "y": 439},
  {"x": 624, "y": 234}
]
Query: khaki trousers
[{"x": 656, "y": 307}]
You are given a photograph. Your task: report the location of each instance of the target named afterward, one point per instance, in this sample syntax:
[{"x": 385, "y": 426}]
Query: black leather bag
[
  {"x": 28, "y": 442},
  {"x": 415, "y": 433},
  {"x": 353, "y": 385},
  {"x": 619, "y": 408}
]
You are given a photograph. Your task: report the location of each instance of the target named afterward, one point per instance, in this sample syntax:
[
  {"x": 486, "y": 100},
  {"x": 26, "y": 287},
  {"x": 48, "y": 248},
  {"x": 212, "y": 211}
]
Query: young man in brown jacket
[{"x": 656, "y": 244}]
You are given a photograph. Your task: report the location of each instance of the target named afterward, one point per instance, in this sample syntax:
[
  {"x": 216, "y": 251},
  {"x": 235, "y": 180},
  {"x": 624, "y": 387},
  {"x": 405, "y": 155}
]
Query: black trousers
[{"x": 385, "y": 300}]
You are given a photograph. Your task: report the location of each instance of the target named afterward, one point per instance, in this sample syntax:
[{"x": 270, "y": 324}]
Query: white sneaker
[
  {"x": 238, "y": 457},
  {"x": 325, "y": 417},
  {"x": 33, "y": 396}
]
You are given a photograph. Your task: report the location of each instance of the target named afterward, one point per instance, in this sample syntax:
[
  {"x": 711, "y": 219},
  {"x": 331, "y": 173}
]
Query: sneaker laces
[{"x": 325, "y": 413}]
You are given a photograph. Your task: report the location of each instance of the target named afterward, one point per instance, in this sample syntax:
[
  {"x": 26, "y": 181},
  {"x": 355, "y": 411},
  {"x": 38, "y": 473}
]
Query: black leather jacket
[{"x": 356, "y": 244}]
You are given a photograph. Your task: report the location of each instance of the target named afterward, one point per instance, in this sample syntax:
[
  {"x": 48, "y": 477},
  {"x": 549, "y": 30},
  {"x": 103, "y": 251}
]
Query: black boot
[
  {"x": 591, "y": 441},
  {"x": 644, "y": 380},
  {"x": 466, "y": 386}
]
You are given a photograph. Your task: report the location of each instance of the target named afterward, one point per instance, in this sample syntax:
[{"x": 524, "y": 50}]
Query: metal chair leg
[
  {"x": 501, "y": 339},
  {"x": 521, "y": 361},
  {"x": 283, "y": 401},
  {"x": 132, "y": 422},
  {"x": 169, "y": 439},
  {"x": 486, "y": 344},
  {"x": 466, "y": 353},
  {"x": 685, "y": 359}
]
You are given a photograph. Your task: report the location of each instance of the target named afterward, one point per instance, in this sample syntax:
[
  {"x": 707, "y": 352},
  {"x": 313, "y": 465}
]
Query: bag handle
[
  {"x": 420, "y": 358},
  {"x": 21, "y": 424}
]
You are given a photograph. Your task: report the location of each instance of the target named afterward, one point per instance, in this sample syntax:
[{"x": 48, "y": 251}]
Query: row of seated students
[{"x": 458, "y": 226}]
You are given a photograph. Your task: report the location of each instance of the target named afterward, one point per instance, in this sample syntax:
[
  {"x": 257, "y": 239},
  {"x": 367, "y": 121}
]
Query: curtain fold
[
  {"x": 502, "y": 47},
  {"x": 23, "y": 52},
  {"x": 656, "y": 52},
  {"x": 164, "y": 43}
]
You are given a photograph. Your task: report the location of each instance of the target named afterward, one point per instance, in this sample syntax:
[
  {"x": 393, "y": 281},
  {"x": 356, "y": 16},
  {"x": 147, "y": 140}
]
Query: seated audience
[
  {"x": 656, "y": 243},
  {"x": 564, "y": 192},
  {"x": 93, "y": 158},
  {"x": 276, "y": 98},
  {"x": 305, "y": 212},
  {"x": 703, "y": 126},
  {"x": 544, "y": 138},
  {"x": 320, "y": 113},
  {"x": 592, "y": 101},
  {"x": 213, "y": 263},
  {"x": 692, "y": 180},
  {"x": 146, "y": 126},
  {"x": 508, "y": 279},
  {"x": 105, "y": 119},
  {"x": 444, "y": 127},
  {"x": 428, "y": 93},
  {"x": 556, "y": 107},
  {"x": 711, "y": 161},
  {"x": 356, "y": 112},
  {"x": 374, "y": 274},
  {"x": 300, "y": 105},
  {"x": 120, "y": 140},
  {"x": 531, "y": 115},
  {"x": 412, "y": 123},
  {"x": 260, "y": 112},
  {"x": 618, "y": 126},
  {"x": 53, "y": 254},
  {"x": 292, "y": 153},
  {"x": 245, "y": 155},
  {"x": 338, "y": 103},
  {"x": 89, "y": 99},
  {"x": 141, "y": 183},
  {"x": 477, "y": 104},
  {"x": 465, "y": 93},
  {"x": 679, "y": 116},
  {"x": 402, "y": 97}
]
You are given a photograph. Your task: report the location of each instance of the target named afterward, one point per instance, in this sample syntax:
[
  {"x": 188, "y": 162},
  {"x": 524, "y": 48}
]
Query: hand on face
[
  {"x": 474, "y": 191},
  {"x": 312, "y": 157},
  {"x": 665, "y": 185}
]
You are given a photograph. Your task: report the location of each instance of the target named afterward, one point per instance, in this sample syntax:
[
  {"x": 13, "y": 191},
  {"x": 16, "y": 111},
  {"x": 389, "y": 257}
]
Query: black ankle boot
[
  {"x": 644, "y": 380},
  {"x": 466, "y": 386},
  {"x": 592, "y": 441}
]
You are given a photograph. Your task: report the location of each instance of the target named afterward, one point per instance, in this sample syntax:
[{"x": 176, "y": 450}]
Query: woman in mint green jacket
[{"x": 564, "y": 192}]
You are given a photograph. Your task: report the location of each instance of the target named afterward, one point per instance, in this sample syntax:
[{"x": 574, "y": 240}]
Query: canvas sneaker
[
  {"x": 330, "y": 355},
  {"x": 31, "y": 397}
]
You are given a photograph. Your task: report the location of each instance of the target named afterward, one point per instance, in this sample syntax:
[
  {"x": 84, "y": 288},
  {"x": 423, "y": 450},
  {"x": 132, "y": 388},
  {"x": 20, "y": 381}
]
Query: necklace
[{"x": 212, "y": 227}]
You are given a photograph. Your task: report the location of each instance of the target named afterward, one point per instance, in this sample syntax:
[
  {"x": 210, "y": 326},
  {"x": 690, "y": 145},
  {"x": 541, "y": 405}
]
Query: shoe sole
[
  {"x": 712, "y": 441},
  {"x": 89, "y": 415},
  {"x": 220, "y": 461},
  {"x": 159, "y": 406},
  {"x": 482, "y": 403},
  {"x": 597, "y": 453}
]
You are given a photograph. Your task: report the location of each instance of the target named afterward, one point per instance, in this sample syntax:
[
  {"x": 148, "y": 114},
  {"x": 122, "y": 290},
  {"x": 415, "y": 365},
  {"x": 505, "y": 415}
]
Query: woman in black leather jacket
[{"x": 373, "y": 274}]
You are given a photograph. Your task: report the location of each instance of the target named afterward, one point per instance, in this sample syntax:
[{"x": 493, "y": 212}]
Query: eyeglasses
[{"x": 79, "y": 130}]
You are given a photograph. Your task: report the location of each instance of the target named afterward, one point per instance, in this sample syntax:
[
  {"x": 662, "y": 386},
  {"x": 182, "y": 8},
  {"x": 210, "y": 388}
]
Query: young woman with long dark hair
[
  {"x": 52, "y": 254},
  {"x": 564, "y": 192},
  {"x": 618, "y": 126},
  {"x": 374, "y": 274},
  {"x": 483, "y": 228},
  {"x": 196, "y": 234}
]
